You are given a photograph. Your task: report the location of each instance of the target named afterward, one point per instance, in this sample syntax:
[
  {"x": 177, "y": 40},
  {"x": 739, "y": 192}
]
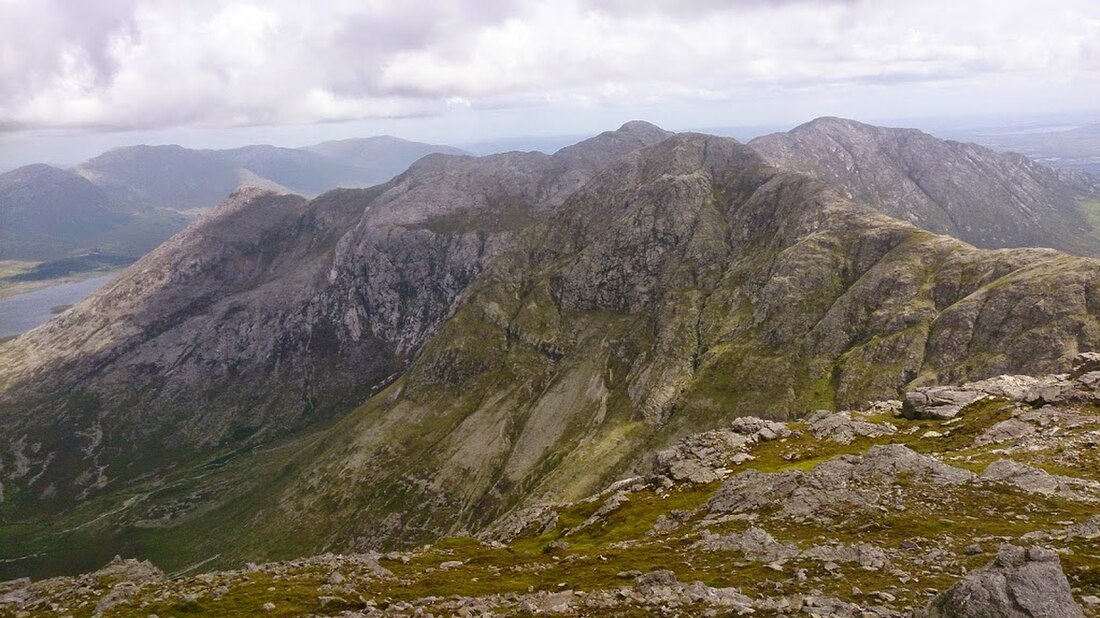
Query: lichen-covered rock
[
  {"x": 866, "y": 555},
  {"x": 754, "y": 544},
  {"x": 1019, "y": 583},
  {"x": 129, "y": 570},
  {"x": 841, "y": 427},
  {"x": 834, "y": 486},
  {"x": 708, "y": 456},
  {"x": 939, "y": 402},
  {"x": 1035, "y": 480},
  {"x": 945, "y": 402}
]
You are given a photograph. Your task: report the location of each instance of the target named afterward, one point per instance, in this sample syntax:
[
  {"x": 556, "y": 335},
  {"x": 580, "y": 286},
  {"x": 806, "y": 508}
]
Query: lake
[{"x": 22, "y": 312}]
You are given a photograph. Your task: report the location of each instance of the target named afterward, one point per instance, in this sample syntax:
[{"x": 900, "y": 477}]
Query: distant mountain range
[
  {"x": 378, "y": 367},
  {"x": 129, "y": 200}
]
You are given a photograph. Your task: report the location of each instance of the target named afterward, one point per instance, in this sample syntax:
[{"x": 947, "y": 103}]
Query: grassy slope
[{"x": 945, "y": 519}]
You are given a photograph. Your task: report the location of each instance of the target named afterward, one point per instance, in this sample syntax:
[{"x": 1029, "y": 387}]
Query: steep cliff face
[
  {"x": 964, "y": 190},
  {"x": 269, "y": 314},
  {"x": 687, "y": 285}
]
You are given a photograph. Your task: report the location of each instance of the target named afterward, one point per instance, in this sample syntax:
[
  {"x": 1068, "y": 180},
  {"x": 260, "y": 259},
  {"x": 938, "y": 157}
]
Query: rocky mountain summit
[
  {"x": 967, "y": 191},
  {"x": 851, "y": 513}
]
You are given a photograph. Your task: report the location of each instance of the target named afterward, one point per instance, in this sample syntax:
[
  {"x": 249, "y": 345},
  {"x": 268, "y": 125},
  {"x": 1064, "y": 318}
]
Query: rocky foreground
[{"x": 978, "y": 500}]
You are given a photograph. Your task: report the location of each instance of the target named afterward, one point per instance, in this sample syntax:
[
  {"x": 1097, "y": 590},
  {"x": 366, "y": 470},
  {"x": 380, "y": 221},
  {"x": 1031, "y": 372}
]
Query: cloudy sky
[{"x": 78, "y": 76}]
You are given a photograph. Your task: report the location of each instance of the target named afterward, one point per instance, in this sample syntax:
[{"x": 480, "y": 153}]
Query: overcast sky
[{"x": 80, "y": 76}]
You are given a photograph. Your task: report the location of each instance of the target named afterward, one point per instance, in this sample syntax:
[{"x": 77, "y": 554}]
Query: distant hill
[
  {"x": 129, "y": 200},
  {"x": 377, "y": 159},
  {"x": 46, "y": 211}
]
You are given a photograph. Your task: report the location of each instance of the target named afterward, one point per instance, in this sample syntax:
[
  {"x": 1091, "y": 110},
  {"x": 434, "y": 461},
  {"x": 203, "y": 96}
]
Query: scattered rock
[
  {"x": 655, "y": 579},
  {"x": 834, "y": 486},
  {"x": 129, "y": 570},
  {"x": 864, "y": 554},
  {"x": 1009, "y": 430},
  {"x": 1019, "y": 583},
  {"x": 15, "y": 592},
  {"x": 754, "y": 544},
  {"x": 704, "y": 457},
  {"x": 121, "y": 593}
]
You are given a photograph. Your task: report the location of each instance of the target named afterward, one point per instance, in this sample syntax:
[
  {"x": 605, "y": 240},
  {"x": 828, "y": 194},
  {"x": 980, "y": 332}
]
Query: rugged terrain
[
  {"x": 977, "y": 500},
  {"x": 964, "y": 190},
  {"x": 378, "y": 368},
  {"x": 267, "y": 315}
]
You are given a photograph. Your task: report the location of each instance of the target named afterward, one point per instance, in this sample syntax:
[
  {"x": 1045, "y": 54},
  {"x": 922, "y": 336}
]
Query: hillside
[
  {"x": 897, "y": 511},
  {"x": 533, "y": 329},
  {"x": 46, "y": 213},
  {"x": 964, "y": 190}
]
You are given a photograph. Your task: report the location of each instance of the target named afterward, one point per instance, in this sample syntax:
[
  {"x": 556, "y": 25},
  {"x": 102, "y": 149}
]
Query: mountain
[
  {"x": 46, "y": 212},
  {"x": 689, "y": 284},
  {"x": 987, "y": 199},
  {"x": 521, "y": 327},
  {"x": 377, "y": 159},
  {"x": 162, "y": 176},
  {"x": 129, "y": 200},
  {"x": 1075, "y": 148},
  {"x": 271, "y": 313}
]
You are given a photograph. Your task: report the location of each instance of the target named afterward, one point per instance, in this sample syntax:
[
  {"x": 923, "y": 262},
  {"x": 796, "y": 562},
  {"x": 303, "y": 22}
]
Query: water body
[{"x": 22, "y": 312}]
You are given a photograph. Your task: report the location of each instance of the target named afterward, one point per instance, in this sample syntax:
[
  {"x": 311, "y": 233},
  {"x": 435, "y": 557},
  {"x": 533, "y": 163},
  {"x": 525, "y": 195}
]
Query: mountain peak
[
  {"x": 639, "y": 126},
  {"x": 987, "y": 199}
]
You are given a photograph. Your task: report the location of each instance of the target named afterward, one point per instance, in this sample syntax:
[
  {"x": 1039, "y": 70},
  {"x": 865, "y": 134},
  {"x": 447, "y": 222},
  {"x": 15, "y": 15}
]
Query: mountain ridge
[
  {"x": 518, "y": 327},
  {"x": 968, "y": 191}
]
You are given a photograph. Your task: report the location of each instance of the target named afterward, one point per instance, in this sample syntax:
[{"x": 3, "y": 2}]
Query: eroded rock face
[{"x": 1019, "y": 583}]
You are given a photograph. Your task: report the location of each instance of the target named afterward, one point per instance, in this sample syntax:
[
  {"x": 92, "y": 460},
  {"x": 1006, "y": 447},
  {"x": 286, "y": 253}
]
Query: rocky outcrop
[
  {"x": 708, "y": 456},
  {"x": 834, "y": 487},
  {"x": 841, "y": 427},
  {"x": 1019, "y": 583},
  {"x": 1038, "y": 481},
  {"x": 964, "y": 190},
  {"x": 945, "y": 402}
]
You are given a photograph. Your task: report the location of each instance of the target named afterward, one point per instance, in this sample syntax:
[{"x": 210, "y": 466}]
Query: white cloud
[{"x": 162, "y": 63}]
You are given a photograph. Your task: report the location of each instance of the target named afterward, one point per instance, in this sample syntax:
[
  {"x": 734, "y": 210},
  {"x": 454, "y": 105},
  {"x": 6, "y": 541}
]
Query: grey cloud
[{"x": 329, "y": 62}]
